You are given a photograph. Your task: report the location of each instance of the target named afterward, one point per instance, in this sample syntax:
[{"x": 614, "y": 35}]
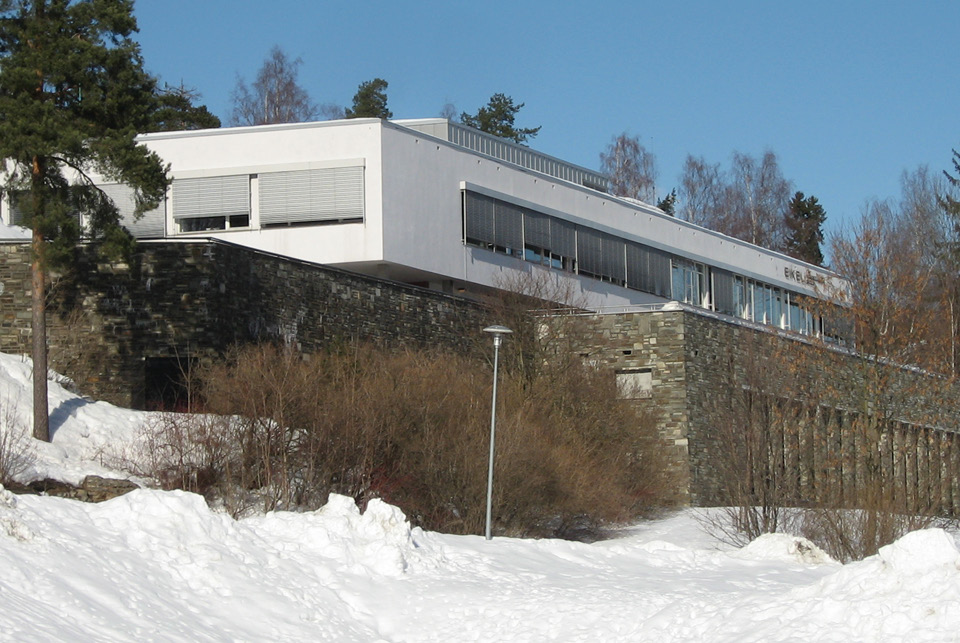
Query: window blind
[{"x": 321, "y": 194}]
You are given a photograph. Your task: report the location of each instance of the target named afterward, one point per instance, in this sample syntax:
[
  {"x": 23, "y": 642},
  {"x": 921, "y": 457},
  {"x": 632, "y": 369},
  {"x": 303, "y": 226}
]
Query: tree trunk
[
  {"x": 38, "y": 321},
  {"x": 38, "y": 328}
]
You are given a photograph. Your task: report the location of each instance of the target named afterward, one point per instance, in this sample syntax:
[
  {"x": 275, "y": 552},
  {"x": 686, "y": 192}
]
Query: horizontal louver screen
[
  {"x": 18, "y": 207},
  {"x": 637, "y": 267},
  {"x": 648, "y": 269},
  {"x": 479, "y": 215},
  {"x": 613, "y": 258},
  {"x": 311, "y": 195},
  {"x": 214, "y": 196},
  {"x": 151, "y": 224},
  {"x": 589, "y": 251},
  {"x": 563, "y": 238},
  {"x": 508, "y": 227},
  {"x": 536, "y": 230},
  {"x": 723, "y": 299},
  {"x": 660, "y": 273}
]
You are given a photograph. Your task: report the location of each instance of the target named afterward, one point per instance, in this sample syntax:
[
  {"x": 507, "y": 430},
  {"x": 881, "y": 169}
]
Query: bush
[
  {"x": 16, "y": 455},
  {"x": 412, "y": 427}
]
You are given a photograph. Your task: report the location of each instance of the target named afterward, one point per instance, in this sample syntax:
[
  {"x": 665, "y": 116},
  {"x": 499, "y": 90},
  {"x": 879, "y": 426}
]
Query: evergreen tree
[
  {"x": 669, "y": 203},
  {"x": 175, "y": 111},
  {"x": 949, "y": 202},
  {"x": 73, "y": 95},
  {"x": 370, "y": 101},
  {"x": 804, "y": 221},
  {"x": 497, "y": 118}
]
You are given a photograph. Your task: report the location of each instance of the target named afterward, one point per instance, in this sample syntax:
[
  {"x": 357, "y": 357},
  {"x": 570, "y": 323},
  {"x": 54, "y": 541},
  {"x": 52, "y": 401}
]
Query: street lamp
[{"x": 498, "y": 332}]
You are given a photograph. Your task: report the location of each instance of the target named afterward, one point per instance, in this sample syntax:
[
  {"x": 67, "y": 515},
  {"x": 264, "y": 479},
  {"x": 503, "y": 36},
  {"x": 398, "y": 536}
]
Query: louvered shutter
[
  {"x": 301, "y": 196},
  {"x": 612, "y": 258},
  {"x": 589, "y": 251},
  {"x": 508, "y": 226},
  {"x": 151, "y": 224},
  {"x": 479, "y": 218},
  {"x": 536, "y": 230},
  {"x": 214, "y": 196}
]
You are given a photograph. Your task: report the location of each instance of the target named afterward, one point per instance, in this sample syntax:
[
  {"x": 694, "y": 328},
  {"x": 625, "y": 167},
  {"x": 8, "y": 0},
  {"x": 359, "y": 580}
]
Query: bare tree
[
  {"x": 930, "y": 233},
  {"x": 757, "y": 200},
  {"x": 701, "y": 192},
  {"x": 749, "y": 203},
  {"x": 275, "y": 96},
  {"x": 449, "y": 112},
  {"x": 631, "y": 168}
]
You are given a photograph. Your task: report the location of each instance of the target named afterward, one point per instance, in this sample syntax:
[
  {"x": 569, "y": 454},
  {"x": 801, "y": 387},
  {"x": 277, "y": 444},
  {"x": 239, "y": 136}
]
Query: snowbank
[{"x": 162, "y": 566}]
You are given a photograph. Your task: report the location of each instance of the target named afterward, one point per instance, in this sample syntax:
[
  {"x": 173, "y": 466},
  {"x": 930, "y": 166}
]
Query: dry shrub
[
  {"x": 888, "y": 499},
  {"x": 412, "y": 427},
  {"x": 573, "y": 456},
  {"x": 854, "y": 534},
  {"x": 16, "y": 455},
  {"x": 181, "y": 451},
  {"x": 816, "y": 443}
]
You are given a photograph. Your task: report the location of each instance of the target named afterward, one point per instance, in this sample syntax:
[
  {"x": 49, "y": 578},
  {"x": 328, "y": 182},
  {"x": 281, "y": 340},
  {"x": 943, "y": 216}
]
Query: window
[
  {"x": 311, "y": 196},
  {"x": 589, "y": 249},
  {"x": 635, "y": 384},
  {"x": 724, "y": 292},
  {"x": 601, "y": 256},
  {"x": 553, "y": 242},
  {"x": 688, "y": 282},
  {"x": 478, "y": 220},
  {"x": 211, "y": 203},
  {"x": 741, "y": 301},
  {"x": 19, "y": 207},
  {"x": 510, "y": 229},
  {"x": 648, "y": 269},
  {"x": 150, "y": 224}
]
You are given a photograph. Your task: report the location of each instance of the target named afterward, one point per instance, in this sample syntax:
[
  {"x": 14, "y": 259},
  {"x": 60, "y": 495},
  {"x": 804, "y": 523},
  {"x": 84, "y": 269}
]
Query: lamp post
[{"x": 498, "y": 332}]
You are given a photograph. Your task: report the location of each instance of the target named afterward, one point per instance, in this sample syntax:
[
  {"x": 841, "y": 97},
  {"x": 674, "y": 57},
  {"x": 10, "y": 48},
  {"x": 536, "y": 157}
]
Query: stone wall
[
  {"x": 652, "y": 340},
  {"x": 115, "y": 327},
  {"x": 188, "y": 301},
  {"x": 700, "y": 362}
]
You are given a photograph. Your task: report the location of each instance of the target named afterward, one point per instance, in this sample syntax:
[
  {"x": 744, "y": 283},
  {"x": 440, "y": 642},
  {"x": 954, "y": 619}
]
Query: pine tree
[
  {"x": 669, "y": 203},
  {"x": 949, "y": 203},
  {"x": 370, "y": 101},
  {"x": 73, "y": 95},
  {"x": 497, "y": 118},
  {"x": 804, "y": 221},
  {"x": 175, "y": 111}
]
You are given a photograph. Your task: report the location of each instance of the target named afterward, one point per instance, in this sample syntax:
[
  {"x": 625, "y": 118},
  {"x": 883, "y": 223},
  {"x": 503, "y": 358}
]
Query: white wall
[
  {"x": 412, "y": 192},
  {"x": 422, "y": 183},
  {"x": 251, "y": 150}
]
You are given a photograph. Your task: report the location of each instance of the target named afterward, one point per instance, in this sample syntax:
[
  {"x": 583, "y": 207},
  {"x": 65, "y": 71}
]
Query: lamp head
[{"x": 498, "y": 332}]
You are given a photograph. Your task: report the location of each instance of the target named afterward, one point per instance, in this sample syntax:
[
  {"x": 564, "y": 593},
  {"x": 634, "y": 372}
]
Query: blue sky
[{"x": 847, "y": 94}]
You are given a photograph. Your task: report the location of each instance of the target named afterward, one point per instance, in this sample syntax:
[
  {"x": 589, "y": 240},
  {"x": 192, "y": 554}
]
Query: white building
[{"x": 439, "y": 204}]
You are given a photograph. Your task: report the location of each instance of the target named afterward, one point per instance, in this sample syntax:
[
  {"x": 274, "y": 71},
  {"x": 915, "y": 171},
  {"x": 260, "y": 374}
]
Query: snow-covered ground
[{"x": 161, "y": 566}]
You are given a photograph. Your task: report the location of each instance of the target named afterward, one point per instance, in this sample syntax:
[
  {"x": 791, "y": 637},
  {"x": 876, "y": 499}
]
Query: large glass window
[
  {"x": 688, "y": 282},
  {"x": 550, "y": 241},
  {"x": 740, "y": 300}
]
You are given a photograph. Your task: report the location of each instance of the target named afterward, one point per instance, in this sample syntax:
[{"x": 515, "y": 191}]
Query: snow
[
  {"x": 162, "y": 566},
  {"x": 13, "y": 233}
]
